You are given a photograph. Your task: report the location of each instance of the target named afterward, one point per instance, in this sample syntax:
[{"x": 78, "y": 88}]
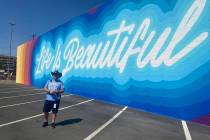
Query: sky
[{"x": 36, "y": 17}]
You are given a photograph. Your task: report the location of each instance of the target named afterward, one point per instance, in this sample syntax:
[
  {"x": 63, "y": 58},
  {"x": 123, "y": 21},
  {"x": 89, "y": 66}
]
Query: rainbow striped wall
[
  {"x": 24, "y": 60},
  {"x": 152, "y": 55}
]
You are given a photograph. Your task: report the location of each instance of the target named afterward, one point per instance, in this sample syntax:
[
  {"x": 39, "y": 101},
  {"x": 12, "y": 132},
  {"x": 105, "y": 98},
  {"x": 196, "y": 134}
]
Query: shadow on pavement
[{"x": 69, "y": 122}]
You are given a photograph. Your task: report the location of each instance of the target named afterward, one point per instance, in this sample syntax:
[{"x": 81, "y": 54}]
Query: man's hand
[
  {"x": 53, "y": 92},
  {"x": 50, "y": 91},
  {"x": 56, "y": 91}
]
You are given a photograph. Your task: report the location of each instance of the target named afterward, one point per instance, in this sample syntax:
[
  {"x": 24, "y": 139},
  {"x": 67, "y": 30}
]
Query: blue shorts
[{"x": 51, "y": 106}]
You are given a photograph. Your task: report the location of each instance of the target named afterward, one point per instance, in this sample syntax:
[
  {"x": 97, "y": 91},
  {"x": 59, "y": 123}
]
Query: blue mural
[{"x": 147, "y": 54}]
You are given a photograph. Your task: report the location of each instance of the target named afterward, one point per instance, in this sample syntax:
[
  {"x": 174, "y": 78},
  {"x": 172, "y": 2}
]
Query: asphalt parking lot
[{"x": 85, "y": 119}]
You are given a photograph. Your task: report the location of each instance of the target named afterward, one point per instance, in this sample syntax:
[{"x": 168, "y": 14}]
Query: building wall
[
  {"x": 7, "y": 64},
  {"x": 151, "y": 55}
]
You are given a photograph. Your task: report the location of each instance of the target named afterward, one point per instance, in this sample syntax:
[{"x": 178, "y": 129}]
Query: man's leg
[
  {"x": 54, "y": 117},
  {"x": 46, "y": 110},
  {"x": 46, "y": 116},
  {"x": 54, "y": 112},
  {"x": 45, "y": 123}
]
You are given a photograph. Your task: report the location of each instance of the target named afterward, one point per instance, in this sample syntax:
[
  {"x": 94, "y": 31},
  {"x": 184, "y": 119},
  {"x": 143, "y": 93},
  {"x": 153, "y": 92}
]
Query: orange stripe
[{"x": 24, "y": 64}]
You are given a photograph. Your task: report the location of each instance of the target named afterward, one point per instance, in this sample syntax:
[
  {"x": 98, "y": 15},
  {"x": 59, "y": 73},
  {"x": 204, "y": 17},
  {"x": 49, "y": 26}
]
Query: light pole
[
  {"x": 33, "y": 36},
  {"x": 10, "y": 47}
]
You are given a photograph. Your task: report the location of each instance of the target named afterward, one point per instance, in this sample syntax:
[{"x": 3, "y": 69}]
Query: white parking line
[
  {"x": 8, "y": 97},
  {"x": 14, "y": 91},
  {"x": 6, "y": 106},
  {"x": 38, "y": 115},
  {"x": 92, "y": 135},
  {"x": 186, "y": 131}
]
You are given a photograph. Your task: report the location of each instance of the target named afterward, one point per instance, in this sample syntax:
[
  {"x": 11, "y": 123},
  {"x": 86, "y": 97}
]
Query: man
[{"x": 54, "y": 89}]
